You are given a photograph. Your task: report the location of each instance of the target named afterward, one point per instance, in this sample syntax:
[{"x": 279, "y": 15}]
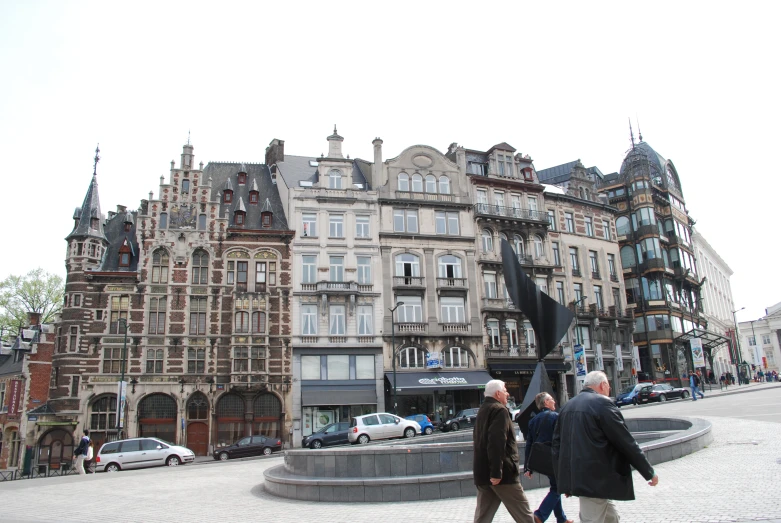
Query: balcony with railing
[
  {"x": 334, "y": 339},
  {"x": 426, "y": 196},
  {"x": 513, "y": 213},
  {"x": 614, "y": 278},
  {"x": 408, "y": 327},
  {"x": 337, "y": 287},
  {"x": 498, "y": 303},
  {"x": 417, "y": 282},
  {"x": 454, "y": 328},
  {"x": 595, "y": 275},
  {"x": 512, "y": 351},
  {"x": 452, "y": 283},
  {"x": 575, "y": 271},
  {"x": 524, "y": 260}
]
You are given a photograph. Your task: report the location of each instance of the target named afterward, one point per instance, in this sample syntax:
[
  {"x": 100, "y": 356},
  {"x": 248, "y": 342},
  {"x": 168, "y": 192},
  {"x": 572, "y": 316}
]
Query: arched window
[
  {"x": 538, "y": 247},
  {"x": 622, "y": 226},
  {"x": 403, "y": 182},
  {"x": 230, "y": 419},
  {"x": 487, "y": 240},
  {"x": 417, "y": 183},
  {"x": 197, "y": 407},
  {"x": 241, "y": 325},
  {"x": 407, "y": 265},
  {"x": 519, "y": 246},
  {"x": 160, "y": 266},
  {"x": 450, "y": 266},
  {"x": 444, "y": 185},
  {"x": 334, "y": 179},
  {"x": 258, "y": 322},
  {"x": 267, "y": 409},
  {"x": 502, "y": 236},
  {"x": 431, "y": 183},
  {"x": 104, "y": 413},
  {"x": 455, "y": 358},
  {"x": 412, "y": 358},
  {"x": 200, "y": 267},
  {"x": 56, "y": 448},
  {"x": 628, "y": 257},
  {"x": 157, "y": 417}
]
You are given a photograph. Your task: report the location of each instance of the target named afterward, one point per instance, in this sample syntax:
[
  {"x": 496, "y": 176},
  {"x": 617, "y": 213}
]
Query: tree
[{"x": 37, "y": 291}]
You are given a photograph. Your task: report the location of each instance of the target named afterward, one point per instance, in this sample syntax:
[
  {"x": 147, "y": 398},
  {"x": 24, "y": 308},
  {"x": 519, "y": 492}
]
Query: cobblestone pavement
[{"x": 736, "y": 479}]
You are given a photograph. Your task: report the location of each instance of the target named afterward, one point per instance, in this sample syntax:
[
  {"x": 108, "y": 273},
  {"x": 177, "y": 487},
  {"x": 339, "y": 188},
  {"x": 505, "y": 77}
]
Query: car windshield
[
  {"x": 459, "y": 414},
  {"x": 629, "y": 389}
]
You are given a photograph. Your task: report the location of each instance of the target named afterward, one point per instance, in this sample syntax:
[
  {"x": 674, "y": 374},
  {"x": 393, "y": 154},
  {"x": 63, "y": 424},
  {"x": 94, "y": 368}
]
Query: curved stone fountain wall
[{"x": 441, "y": 466}]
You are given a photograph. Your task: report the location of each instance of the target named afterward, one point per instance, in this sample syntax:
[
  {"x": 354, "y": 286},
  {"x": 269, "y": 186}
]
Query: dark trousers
[
  {"x": 551, "y": 503},
  {"x": 512, "y": 495}
]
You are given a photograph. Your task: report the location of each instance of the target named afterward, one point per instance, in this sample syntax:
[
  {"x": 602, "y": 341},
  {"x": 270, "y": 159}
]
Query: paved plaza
[{"x": 736, "y": 479}]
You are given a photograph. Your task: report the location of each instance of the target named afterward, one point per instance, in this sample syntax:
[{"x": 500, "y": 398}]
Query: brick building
[{"x": 187, "y": 297}]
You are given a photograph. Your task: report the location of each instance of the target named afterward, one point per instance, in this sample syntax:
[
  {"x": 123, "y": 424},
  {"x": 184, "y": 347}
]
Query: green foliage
[{"x": 37, "y": 291}]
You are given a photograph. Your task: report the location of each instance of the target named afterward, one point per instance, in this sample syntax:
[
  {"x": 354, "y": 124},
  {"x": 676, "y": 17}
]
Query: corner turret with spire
[{"x": 88, "y": 239}]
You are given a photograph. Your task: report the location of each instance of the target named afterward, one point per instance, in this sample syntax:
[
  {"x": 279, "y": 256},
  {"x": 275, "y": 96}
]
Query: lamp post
[
  {"x": 737, "y": 342},
  {"x": 120, "y": 396},
  {"x": 393, "y": 351},
  {"x": 756, "y": 354}
]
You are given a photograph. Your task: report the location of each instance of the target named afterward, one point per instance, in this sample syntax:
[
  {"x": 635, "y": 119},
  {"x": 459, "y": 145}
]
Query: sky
[{"x": 556, "y": 80}]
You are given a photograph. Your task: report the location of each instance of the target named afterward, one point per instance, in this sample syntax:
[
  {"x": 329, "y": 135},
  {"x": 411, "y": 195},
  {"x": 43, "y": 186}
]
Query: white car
[
  {"x": 368, "y": 427},
  {"x": 136, "y": 453}
]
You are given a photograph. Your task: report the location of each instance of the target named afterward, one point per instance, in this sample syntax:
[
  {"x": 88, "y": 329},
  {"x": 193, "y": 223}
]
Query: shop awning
[
  {"x": 338, "y": 396},
  {"x": 432, "y": 380},
  {"x": 710, "y": 340},
  {"x": 56, "y": 423},
  {"x": 529, "y": 367}
]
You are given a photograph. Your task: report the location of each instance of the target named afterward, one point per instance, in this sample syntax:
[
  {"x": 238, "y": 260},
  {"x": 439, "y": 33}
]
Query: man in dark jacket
[
  {"x": 496, "y": 464},
  {"x": 80, "y": 454},
  {"x": 541, "y": 429},
  {"x": 593, "y": 452}
]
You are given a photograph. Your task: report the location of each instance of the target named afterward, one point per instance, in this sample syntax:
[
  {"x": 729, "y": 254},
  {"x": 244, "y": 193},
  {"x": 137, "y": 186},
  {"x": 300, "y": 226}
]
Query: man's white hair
[
  {"x": 594, "y": 378},
  {"x": 492, "y": 387}
]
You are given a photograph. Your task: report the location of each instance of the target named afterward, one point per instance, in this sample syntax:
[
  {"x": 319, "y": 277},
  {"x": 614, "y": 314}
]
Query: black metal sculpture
[{"x": 549, "y": 319}]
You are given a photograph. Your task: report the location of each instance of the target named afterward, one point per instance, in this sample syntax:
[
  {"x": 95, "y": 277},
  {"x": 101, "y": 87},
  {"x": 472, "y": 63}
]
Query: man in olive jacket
[
  {"x": 593, "y": 452},
  {"x": 496, "y": 464}
]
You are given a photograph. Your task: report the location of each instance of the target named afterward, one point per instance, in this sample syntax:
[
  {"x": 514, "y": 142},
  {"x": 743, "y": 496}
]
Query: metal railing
[
  {"x": 510, "y": 212},
  {"x": 425, "y": 196},
  {"x": 451, "y": 282},
  {"x": 408, "y": 281}
]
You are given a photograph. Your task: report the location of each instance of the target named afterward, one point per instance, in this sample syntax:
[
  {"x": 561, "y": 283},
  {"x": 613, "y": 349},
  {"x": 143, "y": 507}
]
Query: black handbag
[{"x": 541, "y": 457}]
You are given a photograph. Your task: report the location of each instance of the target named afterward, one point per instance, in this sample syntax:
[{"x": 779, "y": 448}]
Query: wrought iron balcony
[
  {"x": 595, "y": 275},
  {"x": 614, "y": 278},
  {"x": 575, "y": 271},
  {"x": 512, "y": 351},
  {"x": 515, "y": 213}
]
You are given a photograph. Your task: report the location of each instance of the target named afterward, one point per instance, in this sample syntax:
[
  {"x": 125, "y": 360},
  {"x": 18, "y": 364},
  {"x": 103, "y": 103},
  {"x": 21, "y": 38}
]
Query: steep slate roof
[
  {"x": 297, "y": 169},
  {"x": 557, "y": 174},
  {"x": 360, "y": 170},
  {"x": 116, "y": 235},
  {"x": 223, "y": 173},
  {"x": 504, "y": 146},
  {"x": 9, "y": 367},
  {"x": 89, "y": 209}
]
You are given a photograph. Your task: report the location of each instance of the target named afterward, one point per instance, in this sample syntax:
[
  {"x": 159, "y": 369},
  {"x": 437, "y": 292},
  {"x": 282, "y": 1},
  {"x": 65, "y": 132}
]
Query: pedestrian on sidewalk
[
  {"x": 497, "y": 464},
  {"x": 540, "y": 430},
  {"x": 594, "y": 452},
  {"x": 80, "y": 454},
  {"x": 694, "y": 383},
  {"x": 722, "y": 382}
]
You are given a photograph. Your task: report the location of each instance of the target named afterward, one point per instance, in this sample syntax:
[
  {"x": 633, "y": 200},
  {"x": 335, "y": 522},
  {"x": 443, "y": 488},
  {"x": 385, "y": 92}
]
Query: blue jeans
[
  {"x": 551, "y": 503},
  {"x": 695, "y": 391}
]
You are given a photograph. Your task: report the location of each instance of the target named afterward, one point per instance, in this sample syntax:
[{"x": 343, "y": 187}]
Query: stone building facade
[
  {"x": 761, "y": 341},
  {"x": 188, "y": 298},
  {"x": 587, "y": 274}
]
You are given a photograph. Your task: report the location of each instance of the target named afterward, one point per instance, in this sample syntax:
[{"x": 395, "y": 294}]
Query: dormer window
[
  {"x": 242, "y": 178},
  {"x": 239, "y": 218},
  {"x": 253, "y": 197},
  {"x": 227, "y": 197},
  {"x": 527, "y": 174},
  {"x": 335, "y": 179},
  {"x": 128, "y": 225},
  {"x": 93, "y": 223},
  {"x": 266, "y": 219}
]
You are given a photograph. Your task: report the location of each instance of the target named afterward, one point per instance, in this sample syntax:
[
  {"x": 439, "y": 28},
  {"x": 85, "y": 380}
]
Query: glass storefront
[{"x": 316, "y": 417}]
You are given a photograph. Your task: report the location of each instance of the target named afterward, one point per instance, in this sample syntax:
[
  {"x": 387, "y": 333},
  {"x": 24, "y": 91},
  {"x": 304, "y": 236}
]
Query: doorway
[{"x": 198, "y": 438}]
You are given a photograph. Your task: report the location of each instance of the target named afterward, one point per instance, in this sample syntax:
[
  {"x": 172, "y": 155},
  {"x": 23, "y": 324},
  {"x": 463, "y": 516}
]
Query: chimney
[
  {"x": 275, "y": 152},
  {"x": 121, "y": 209},
  {"x": 377, "y": 167},
  {"x": 34, "y": 319}
]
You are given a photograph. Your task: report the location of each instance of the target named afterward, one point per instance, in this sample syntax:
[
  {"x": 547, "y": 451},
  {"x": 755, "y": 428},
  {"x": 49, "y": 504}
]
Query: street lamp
[
  {"x": 120, "y": 398},
  {"x": 393, "y": 351},
  {"x": 737, "y": 341},
  {"x": 756, "y": 347}
]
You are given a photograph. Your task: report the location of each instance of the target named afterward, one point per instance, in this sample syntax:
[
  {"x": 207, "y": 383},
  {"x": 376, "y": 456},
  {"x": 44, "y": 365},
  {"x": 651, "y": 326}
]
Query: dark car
[
  {"x": 661, "y": 392},
  {"x": 331, "y": 434},
  {"x": 628, "y": 396},
  {"x": 463, "y": 418},
  {"x": 250, "y": 446}
]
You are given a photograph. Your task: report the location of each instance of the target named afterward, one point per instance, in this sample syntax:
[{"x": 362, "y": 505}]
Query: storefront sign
[
  {"x": 14, "y": 397},
  {"x": 598, "y": 360},
  {"x": 32, "y": 418},
  {"x": 636, "y": 359},
  {"x": 698, "y": 357},
  {"x": 581, "y": 369},
  {"x": 121, "y": 394},
  {"x": 443, "y": 381},
  {"x": 434, "y": 360},
  {"x": 619, "y": 359}
]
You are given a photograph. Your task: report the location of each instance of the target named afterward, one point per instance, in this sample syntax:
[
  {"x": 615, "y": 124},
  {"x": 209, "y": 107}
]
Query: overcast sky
[{"x": 556, "y": 80}]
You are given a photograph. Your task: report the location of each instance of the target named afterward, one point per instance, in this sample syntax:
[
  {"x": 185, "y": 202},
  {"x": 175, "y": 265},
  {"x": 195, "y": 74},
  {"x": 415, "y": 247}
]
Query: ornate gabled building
[
  {"x": 507, "y": 204},
  {"x": 587, "y": 272},
  {"x": 660, "y": 270},
  {"x": 187, "y": 298}
]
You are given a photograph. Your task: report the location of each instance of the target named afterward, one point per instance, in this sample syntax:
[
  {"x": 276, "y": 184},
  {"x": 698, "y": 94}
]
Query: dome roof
[{"x": 641, "y": 159}]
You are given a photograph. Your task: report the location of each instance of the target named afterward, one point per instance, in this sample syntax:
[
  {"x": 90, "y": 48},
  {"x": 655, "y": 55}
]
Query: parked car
[
  {"x": 136, "y": 453},
  {"x": 331, "y": 434},
  {"x": 250, "y": 446},
  {"x": 381, "y": 426},
  {"x": 463, "y": 418},
  {"x": 426, "y": 427},
  {"x": 660, "y": 392},
  {"x": 628, "y": 396}
]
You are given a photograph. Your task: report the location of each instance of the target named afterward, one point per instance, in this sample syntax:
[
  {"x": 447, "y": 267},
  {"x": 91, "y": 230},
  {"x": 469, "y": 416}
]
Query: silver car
[
  {"x": 380, "y": 426},
  {"x": 139, "y": 453}
]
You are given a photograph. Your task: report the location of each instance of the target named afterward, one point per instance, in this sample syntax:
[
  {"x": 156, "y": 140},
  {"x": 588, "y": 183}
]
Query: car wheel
[
  {"x": 662, "y": 398},
  {"x": 316, "y": 444},
  {"x": 454, "y": 426},
  {"x": 428, "y": 431},
  {"x": 409, "y": 432},
  {"x": 634, "y": 401},
  {"x": 112, "y": 467},
  {"x": 266, "y": 451},
  {"x": 173, "y": 461},
  {"x": 363, "y": 439},
  {"x": 685, "y": 394},
  {"x": 224, "y": 456}
]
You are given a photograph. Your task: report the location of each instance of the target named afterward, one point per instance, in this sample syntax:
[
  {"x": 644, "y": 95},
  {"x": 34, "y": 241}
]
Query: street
[{"x": 736, "y": 479}]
